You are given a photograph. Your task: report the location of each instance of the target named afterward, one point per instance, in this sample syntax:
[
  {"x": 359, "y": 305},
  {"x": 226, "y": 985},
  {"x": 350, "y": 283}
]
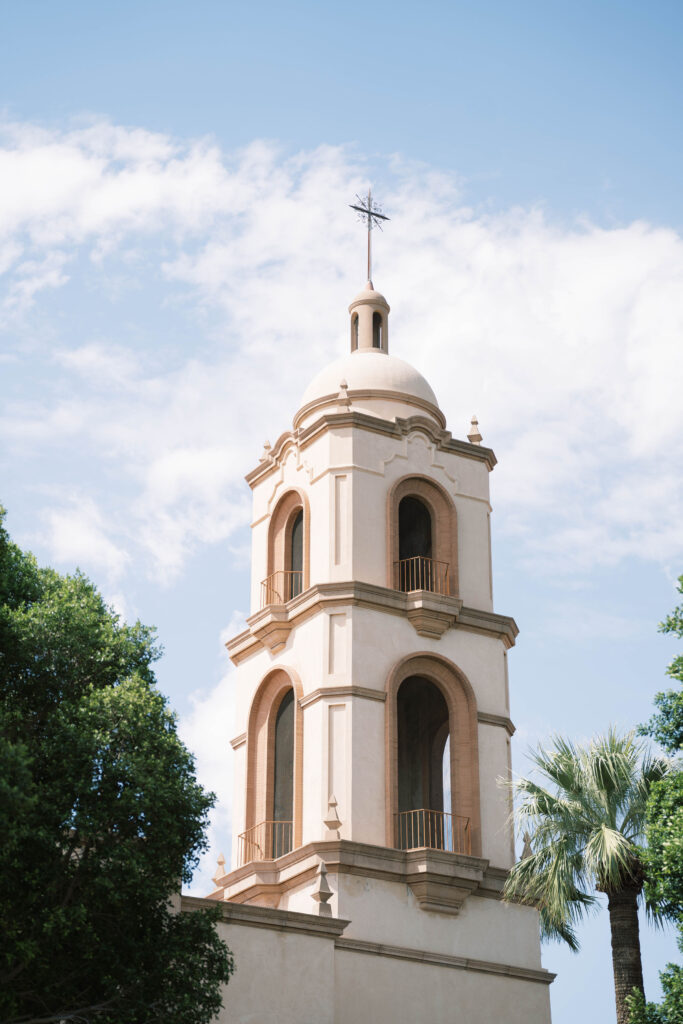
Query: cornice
[
  {"x": 500, "y": 720},
  {"x": 238, "y": 741},
  {"x": 462, "y": 963},
  {"x": 268, "y": 917},
  {"x": 440, "y": 881},
  {"x": 398, "y": 428},
  {"x": 270, "y": 627},
  {"x": 364, "y": 692},
  {"x": 364, "y": 394}
]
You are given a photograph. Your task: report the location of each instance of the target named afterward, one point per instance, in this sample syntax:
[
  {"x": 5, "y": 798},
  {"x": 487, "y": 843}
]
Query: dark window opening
[
  {"x": 283, "y": 780},
  {"x": 354, "y": 332},
  {"x": 296, "y": 556},
  {"x": 423, "y": 731},
  {"x": 377, "y": 330},
  {"x": 414, "y": 529}
]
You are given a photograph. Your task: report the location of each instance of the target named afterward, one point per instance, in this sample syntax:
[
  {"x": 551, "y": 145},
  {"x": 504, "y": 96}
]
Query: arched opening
[
  {"x": 422, "y": 718},
  {"x": 416, "y": 568},
  {"x": 422, "y": 537},
  {"x": 354, "y": 332},
  {"x": 280, "y": 841},
  {"x": 295, "y": 556},
  {"x": 377, "y": 330},
  {"x": 274, "y": 770},
  {"x": 432, "y": 760},
  {"x": 288, "y": 550}
]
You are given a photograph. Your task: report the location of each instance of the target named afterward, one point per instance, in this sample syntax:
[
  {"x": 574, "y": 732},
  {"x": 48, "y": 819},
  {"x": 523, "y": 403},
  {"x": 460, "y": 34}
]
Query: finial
[
  {"x": 220, "y": 871},
  {"x": 473, "y": 434},
  {"x": 322, "y": 894},
  {"x": 265, "y": 454},
  {"x": 370, "y": 213},
  {"x": 343, "y": 395},
  {"x": 332, "y": 820}
]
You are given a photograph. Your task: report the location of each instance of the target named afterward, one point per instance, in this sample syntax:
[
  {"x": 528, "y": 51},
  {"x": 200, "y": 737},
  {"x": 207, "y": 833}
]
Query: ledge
[
  {"x": 462, "y": 963},
  {"x": 431, "y": 615},
  {"x": 364, "y": 692},
  {"x": 502, "y": 721},
  {"x": 440, "y": 881},
  {"x": 267, "y": 917}
]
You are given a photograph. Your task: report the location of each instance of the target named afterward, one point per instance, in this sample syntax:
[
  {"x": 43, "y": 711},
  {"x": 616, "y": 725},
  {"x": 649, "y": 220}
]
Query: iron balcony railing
[
  {"x": 281, "y": 586},
  {"x": 421, "y": 574},
  {"x": 265, "y": 841},
  {"x": 433, "y": 830}
]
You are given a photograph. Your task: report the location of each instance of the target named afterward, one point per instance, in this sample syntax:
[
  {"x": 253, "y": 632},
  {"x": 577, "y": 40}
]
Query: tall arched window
[
  {"x": 422, "y": 547},
  {"x": 377, "y": 328},
  {"x": 283, "y": 778},
  {"x": 354, "y": 332},
  {"x": 274, "y": 779},
  {"x": 296, "y": 555},
  {"x": 431, "y": 727},
  {"x": 288, "y": 550}
]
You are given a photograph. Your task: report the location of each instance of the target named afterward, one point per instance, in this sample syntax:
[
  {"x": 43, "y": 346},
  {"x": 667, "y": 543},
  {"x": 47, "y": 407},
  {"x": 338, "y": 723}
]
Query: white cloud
[
  {"x": 77, "y": 536},
  {"x": 207, "y": 730},
  {"x": 565, "y": 340}
]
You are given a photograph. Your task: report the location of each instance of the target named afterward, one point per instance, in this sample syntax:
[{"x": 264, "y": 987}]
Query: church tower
[{"x": 372, "y": 707}]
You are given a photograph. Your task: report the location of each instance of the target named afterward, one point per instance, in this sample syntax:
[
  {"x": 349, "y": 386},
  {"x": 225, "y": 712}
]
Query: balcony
[
  {"x": 280, "y": 587},
  {"x": 433, "y": 830},
  {"x": 421, "y": 574},
  {"x": 266, "y": 841}
]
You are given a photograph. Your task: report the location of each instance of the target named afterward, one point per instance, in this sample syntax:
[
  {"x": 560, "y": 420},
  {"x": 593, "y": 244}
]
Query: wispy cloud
[{"x": 564, "y": 339}]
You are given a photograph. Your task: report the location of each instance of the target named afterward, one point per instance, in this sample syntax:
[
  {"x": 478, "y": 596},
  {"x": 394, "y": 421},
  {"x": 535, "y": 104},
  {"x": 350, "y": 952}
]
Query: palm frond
[{"x": 585, "y": 813}]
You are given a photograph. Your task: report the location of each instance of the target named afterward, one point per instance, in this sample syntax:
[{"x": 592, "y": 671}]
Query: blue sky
[{"x": 176, "y": 258}]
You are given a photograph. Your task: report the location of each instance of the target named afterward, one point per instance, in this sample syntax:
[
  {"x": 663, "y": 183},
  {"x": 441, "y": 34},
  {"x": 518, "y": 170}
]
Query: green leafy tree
[
  {"x": 101, "y": 817},
  {"x": 586, "y": 820},
  {"x": 664, "y": 831}
]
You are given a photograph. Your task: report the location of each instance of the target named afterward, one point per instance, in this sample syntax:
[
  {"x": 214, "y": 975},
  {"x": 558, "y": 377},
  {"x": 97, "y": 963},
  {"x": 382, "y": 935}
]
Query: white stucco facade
[{"x": 399, "y": 930}]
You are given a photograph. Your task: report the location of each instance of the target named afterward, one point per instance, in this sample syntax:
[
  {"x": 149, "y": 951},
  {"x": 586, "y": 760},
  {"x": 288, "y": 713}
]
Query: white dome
[
  {"x": 369, "y": 371},
  {"x": 377, "y": 383}
]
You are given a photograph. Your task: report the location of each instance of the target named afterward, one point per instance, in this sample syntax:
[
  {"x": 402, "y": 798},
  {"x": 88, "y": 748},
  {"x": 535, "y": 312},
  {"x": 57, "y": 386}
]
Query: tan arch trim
[
  {"x": 261, "y": 748},
  {"x": 281, "y": 522},
  {"x": 444, "y": 524},
  {"x": 463, "y": 729}
]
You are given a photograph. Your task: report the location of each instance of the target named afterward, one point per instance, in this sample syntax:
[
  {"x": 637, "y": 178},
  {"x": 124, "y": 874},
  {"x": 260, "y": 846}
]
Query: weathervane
[{"x": 371, "y": 214}]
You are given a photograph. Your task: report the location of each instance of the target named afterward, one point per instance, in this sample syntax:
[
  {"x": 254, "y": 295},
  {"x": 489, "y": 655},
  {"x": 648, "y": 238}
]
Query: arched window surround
[
  {"x": 261, "y": 749},
  {"x": 463, "y": 731},
  {"x": 280, "y": 531},
  {"x": 444, "y": 524}
]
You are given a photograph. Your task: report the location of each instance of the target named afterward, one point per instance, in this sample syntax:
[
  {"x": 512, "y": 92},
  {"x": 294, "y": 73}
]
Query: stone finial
[
  {"x": 220, "y": 870},
  {"x": 473, "y": 435},
  {"x": 343, "y": 396},
  {"x": 265, "y": 454},
  {"x": 526, "y": 849},
  {"x": 322, "y": 894},
  {"x": 332, "y": 820}
]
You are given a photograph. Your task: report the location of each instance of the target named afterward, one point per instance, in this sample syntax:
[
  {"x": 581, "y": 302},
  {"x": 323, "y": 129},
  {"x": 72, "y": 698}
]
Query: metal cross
[{"x": 371, "y": 214}]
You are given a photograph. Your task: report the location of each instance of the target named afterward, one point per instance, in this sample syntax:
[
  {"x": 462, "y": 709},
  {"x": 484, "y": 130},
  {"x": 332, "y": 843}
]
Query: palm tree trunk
[{"x": 626, "y": 962}]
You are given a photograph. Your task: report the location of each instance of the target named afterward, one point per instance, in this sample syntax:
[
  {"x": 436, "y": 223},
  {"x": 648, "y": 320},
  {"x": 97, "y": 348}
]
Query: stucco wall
[{"x": 293, "y": 968}]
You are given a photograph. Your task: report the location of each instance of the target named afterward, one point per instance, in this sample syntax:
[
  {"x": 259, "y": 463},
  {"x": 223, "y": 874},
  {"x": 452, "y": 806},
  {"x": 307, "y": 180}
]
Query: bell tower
[{"x": 373, "y": 719}]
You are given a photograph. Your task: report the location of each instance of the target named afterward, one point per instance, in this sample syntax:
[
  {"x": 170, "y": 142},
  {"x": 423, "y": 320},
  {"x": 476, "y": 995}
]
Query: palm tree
[{"x": 585, "y": 821}]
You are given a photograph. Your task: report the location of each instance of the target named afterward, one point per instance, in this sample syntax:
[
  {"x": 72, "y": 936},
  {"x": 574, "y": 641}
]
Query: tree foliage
[
  {"x": 100, "y": 817},
  {"x": 664, "y": 831},
  {"x": 586, "y": 820}
]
